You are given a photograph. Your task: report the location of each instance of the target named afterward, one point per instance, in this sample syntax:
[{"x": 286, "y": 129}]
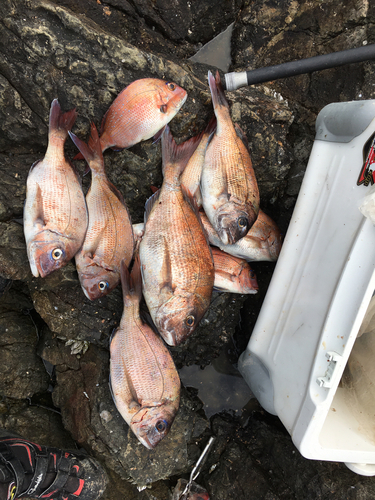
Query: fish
[
  {"x": 55, "y": 213},
  {"x": 109, "y": 238},
  {"x": 230, "y": 194},
  {"x": 233, "y": 274},
  {"x": 138, "y": 231},
  {"x": 176, "y": 260},
  {"x": 144, "y": 382},
  {"x": 262, "y": 243},
  {"x": 139, "y": 112},
  {"x": 191, "y": 175}
]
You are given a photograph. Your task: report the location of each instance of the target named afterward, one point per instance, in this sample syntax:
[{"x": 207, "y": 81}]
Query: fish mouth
[
  {"x": 226, "y": 237},
  {"x": 34, "y": 267},
  {"x": 146, "y": 443},
  {"x": 86, "y": 293},
  {"x": 170, "y": 338},
  {"x": 181, "y": 103}
]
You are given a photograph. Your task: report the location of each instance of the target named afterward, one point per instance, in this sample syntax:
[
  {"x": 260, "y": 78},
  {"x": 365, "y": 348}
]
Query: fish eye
[
  {"x": 242, "y": 222},
  {"x": 190, "y": 320},
  {"x": 102, "y": 285},
  {"x": 252, "y": 274},
  {"x": 161, "y": 425},
  {"x": 57, "y": 253},
  {"x": 171, "y": 86}
]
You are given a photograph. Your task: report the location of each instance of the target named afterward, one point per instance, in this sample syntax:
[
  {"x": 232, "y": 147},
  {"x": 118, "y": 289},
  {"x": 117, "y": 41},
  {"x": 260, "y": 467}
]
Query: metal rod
[{"x": 317, "y": 63}]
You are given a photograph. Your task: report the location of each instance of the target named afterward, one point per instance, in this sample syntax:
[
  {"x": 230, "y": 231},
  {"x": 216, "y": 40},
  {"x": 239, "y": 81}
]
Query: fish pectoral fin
[
  {"x": 116, "y": 192},
  {"x": 158, "y": 134},
  {"x": 136, "y": 399},
  {"x": 36, "y": 213},
  {"x": 166, "y": 278}
]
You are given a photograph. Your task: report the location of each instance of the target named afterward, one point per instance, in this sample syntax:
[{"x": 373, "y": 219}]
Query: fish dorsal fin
[
  {"x": 116, "y": 192},
  {"x": 217, "y": 92},
  {"x": 150, "y": 203},
  {"x": 193, "y": 203},
  {"x": 92, "y": 152},
  {"x": 34, "y": 165},
  {"x": 211, "y": 126},
  {"x": 241, "y": 135},
  {"x": 211, "y": 129},
  {"x": 175, "y": 154}
]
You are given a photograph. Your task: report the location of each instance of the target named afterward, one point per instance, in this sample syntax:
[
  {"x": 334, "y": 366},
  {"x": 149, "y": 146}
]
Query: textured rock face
[{"x": 85, "y": 53}]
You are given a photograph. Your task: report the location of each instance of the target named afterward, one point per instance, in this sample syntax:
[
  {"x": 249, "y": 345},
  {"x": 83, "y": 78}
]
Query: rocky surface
[{"x": 53, "y": 341}]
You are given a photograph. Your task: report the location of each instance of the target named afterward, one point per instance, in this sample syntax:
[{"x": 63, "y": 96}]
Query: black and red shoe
[{"x": 28, "y": 470}]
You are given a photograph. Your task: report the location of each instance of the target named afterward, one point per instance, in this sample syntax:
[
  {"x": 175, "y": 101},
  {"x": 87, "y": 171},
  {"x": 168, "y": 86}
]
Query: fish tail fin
[
  {"x": 78, "y": 156},
  {"x": 131, "y": 282},
  {"x": 92, "y": 151},
  {"x": 61, "y": 122},
  {"x": 217, "y": 91},
  {"x": 175, "y": 156}
]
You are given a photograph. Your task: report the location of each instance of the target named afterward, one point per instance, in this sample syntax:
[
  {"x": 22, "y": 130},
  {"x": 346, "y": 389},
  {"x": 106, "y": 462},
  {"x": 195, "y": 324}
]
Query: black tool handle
[{"x": 235, "y": 80}]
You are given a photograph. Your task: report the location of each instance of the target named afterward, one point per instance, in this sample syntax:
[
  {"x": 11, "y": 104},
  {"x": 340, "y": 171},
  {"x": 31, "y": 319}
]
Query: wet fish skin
[
  {"x": 228, "y": 185},
  {"x": 262, "y": 243},
  {"x": 109, "y": 238},
  {"x": 233, "y": 274},
  {"x": 191, "y": 176},
  {"x": 55, "y": 213},
  {"x": 139, "y": 112},
  {"x": 177, "y": 266},
  {"x": 144, "y": 381}
]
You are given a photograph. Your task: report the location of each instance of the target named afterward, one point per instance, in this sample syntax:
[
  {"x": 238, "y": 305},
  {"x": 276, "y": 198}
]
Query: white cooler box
[{"x": 309, "y": 361}]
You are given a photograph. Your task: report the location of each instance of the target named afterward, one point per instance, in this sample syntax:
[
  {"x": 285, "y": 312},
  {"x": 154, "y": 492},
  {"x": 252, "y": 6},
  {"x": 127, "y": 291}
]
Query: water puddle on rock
[
  {"x": 220, "y": 385},
  {"x": 217, "y": 51}
]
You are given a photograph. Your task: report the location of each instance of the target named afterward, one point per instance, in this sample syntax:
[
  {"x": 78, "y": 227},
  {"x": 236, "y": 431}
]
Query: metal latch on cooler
[{"x": 333, "y": 370}]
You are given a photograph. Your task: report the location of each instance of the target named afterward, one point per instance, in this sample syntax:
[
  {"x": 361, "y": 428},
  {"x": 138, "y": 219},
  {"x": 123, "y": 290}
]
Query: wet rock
[
  {"x": 40, "y": 425},
  {"x": 22, "y": 372},
  {"x": 14, "y": 170},
  {"x": 13, "y": 257},
  {"x": 273, "y": 33},
  {"x": 60, "y": 301}
]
